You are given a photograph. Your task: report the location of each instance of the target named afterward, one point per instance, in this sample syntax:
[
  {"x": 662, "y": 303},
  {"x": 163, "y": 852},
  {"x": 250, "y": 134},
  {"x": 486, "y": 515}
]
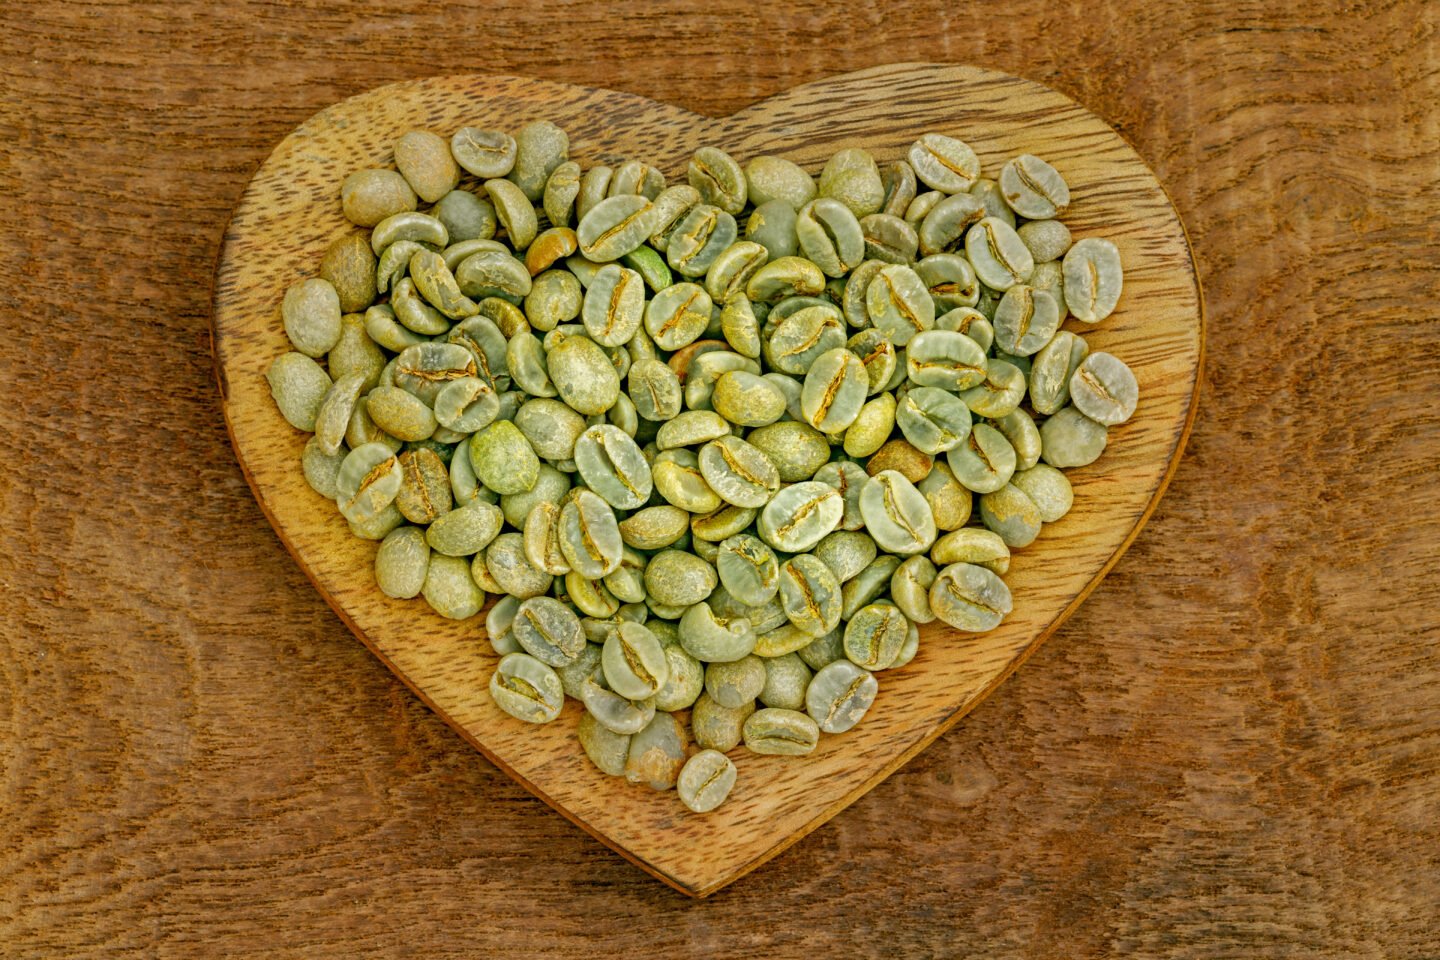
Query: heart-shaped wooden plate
[{"x": 291, "y": 212}]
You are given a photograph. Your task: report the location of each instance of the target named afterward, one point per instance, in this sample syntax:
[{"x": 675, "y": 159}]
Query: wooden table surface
[{"x": 1233, "y": 750}]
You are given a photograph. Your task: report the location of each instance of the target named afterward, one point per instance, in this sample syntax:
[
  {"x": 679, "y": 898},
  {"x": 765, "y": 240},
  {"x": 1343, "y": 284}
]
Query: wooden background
[{"x": 1233, "y": 750}]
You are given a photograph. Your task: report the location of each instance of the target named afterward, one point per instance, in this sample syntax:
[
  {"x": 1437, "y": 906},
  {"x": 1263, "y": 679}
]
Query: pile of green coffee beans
[{"x": 711, "y": 444}]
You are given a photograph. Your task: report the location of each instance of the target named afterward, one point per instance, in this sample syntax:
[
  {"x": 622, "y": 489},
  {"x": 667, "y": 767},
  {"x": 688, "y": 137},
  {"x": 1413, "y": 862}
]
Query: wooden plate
[{"x": 291, "y": 212}]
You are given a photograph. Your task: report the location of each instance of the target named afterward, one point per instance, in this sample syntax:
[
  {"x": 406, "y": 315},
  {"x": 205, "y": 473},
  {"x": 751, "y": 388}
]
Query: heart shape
[{"x": 289, "y": 214}]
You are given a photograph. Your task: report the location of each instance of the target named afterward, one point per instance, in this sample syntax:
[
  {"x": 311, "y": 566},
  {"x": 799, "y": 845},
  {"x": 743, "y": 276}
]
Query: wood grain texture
[
  {"x": 1229, "y": 751},
  {"x": 290, "y": 214}
]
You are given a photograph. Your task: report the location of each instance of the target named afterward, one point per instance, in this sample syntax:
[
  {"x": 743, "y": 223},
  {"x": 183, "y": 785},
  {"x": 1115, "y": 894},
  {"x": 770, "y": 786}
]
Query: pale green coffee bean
[
  {"x": 458, "y": 252},
  {"x": 654, "y": 528},
  {"x": 678, "y": 315},
  {"x": 381, "y": 326},
  {"x": 424, "y": 369},
  {"x": 785, "y": 276},
  {"x": 616, "y": 226},
  {"x": 772, "y": 225},
  {"x": 846, "y": 553},
  {"x": 548, "y": 630},
  {"x": 526, "y": 689},
  {"x": 1048, "y": 488},
  {"x": 542, "y": 539},
  {"x": 780, "y": 732},
  {"x": 824, "y": 650},
  {"x": 830, "y": 236},
  {"x": 336, "y": 407},
  {"x": 368, "y": 481},
  {"x": 402, "y": 562},
  {"x": 561, "y": 189},
  {"x": 714, "y": 639},
  {"x": 810, "y": 594},
  {"x": 950, "y": 502},
  {"x": 1025, "y": 320},
  {"x": 594, "y": 187},
  {"x": 852, "y": 302},
  {"x": 699, "y": 238},
  {"x": 311, "y": 314},
  {"x": 362, "y": 430},
  {"x": 590, "y": 597},
  {"x": 840, "y": 695},
  {"x": 999, "y": 257},
  {"x": 466, "y": 217},
  {"x": 493, "y": 273},
  {"x": 974, "y": 545},
  {"x": 1104, "y": 389},
  {"x": 416, "y": 227},
  {"x": 950, "y": 280},
  {"x": 933, "y": 420},
  {"x": 582, "y": 374},
  {"x": 800, "y": 516},
  {"x": 921, "y": 206},
  {"x": 613, "y": 711},
  {"x": 368, "y": 197},
  {"x": 1071, "y": 439},
  {"x": 849, "y": 478},
  {"x": 515, "y": 211},
  {"x": 721, "y": 524},
  {"x": 738, "y": 472},
  {"x": 740, "y": 327},
  {"x": 970, "y": 322},
  {"x": 748, "y": 568},
  {"x": 878, "y": 356},
  {"x": 503, "y": 459},
  {"x": 554, "y": 298},
  {"x": 527, "y": 363},
  {"x": 551, "y": 427},
  {"x": 1047, "y": 239},
  {"x": 424, "y": 160},
  {"x": 899, "y": 304},
  {"x": 349, "y": 267},
  {"x": 658, "y": 753},
  {"x": 466, "y": 530},
  {"x": 874, "y": 636},
  {"x": 678, "y": 480},
  {"x": 627, "y": 581},
  {"x": 706, "y": 781},
  {"x": 775, "y": 178},
  {"x": 590, "y": 536},
  {"x": 686, "y": 679},
  {"x": 792, "y": 389},
  {"x": 321, "y": 469},
  {"x": 970, "y": 598},
  {"x": 733, "y": 268},
  {"x": 540, "y": 147},
  {"x": 1034, "y": 189},
  {"x": 612, "y": 465},
  {"x": 450, "y": 589},
  {"x": 466, "y": 405},
  {"x": 356, "y": 353},
  {"x": 1093, "y": 279},
  {"x": 464, "y": 485},
  {"x": 835, "y": 390},
  {"x": 654, "y": 389},
  {"x": 605, "y": 748},
  {"x": 872, "y": 427},
  {"x": 736, "y": 683},
  {"x": 944, "y": 163},
  {"x": 634, "y": 662},
  {"x": 942, "y": 358},
  {"x": 910, "y": 589},
  {"x": 888, "y": 238},
  {"x": 800, "y": 339},
  {"x": 507, "y": 563},
  {"x": 705, "y": 371},
  {"x": 677, "y": 579},
  {"x": 482, "y": 576},
  {"x": 1051, "y": 370},
  {"x": 999, "y": 393},
  {"x": 671, "y": 206},
  {"x": 632, "y": 176},
  {"x": 425, "y": 488},
  {"x": 1019, "y": 428},
  {"x": 985, "y": 461},
  {"x": 719, "y": 179},
  {"x": 898, "y": 178},
  {"x": 896, "y": 514},
  {"x": 786, "y": 678},
  {"x": 988, "y": 192},
  {"x": 378, "y": 526},
  {"x": 1011, "y": 513},
  {"x": 852, "y": 177},
  {"x": 485, "y": 153},
  {"x": 948, "y": 223},
  {"x": 716, "y": 727},
  {"x": 614, "y": 305}
]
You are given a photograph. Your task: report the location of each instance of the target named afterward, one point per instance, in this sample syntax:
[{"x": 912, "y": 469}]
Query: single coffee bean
[
  {"x": 450, "y": 589},
  {"x": 780, "y": 732},
  {"x": 1093, "y": 279},
  {"x": 896, "y": 514},
  {"x": 706, "y": 780},
  {"x": 970, "y": 598},
  {"x": 658, "y": 753},
  {"x": 999, "y": 257},
  {"x": 810, "y": 594},
  {"x": 899, "y": 304},
  {"x": 548, "y": 630},
  {"x": 1011, "y": 513},
  {"x": 735, "y": 683},
  {"x": 840, "y": 696},
  {"x": 425, "y": 161},
  {"x": 1049, "y": 488},
  {"x": 933, "y": 420},
  {"x": 367, "y": 197},
  {"x": 1104, "y": 389},
  {"x": 605, "y": 748},
  {"x": 402, "y": 562},
  {"x": 1051, "y": 370},
  {"x": 1033, "y": 189},
  {"x": 526, "y": 689},
  {"x": 984, "y": 548},
  {"x": 800, "y": 516},
  {"x": 634, "y": 662},
  {"x": 485, "y": 153}
]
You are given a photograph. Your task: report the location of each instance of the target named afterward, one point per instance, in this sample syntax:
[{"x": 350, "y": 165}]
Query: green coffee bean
[
  {"x": 503, "y": 459},
  {"x": 738, "y": 472},
  {"x": 1000, "y": 392},
  {"x": 1025, "y": 320},
  {"x": 686, "y": 680},
  {"x": 970, "y": 598},
  {"x": 450, "y": 589},
  {"x": 999, "y": 257},
  {"x": 611, "y": 464},
  {"x": 590, "y": 535},
  {"x": 368, "y": 197},
  {"x": 1104, "y": 389},
  {"x": 1093, "y": 279},
  {"x": 1033, "y": 188},
  {"x": 896, "y": 514},
  {"x": 933, "y": 420},
  {"x": 899, "y": 304},
  {"x": 840, "y": 696},
  {"x": 1071, "y": 439},
  {"x": 706, "y": 780},
  {"x": 402, "y": 562},
  {"x": 485, "y": 153},
  {"x": 1048, "y": 488},
  {"x": 1019, "y": 428},
  {"x": 540, "y": 147},
  {"x": 1011, "y": 513},
  {"x": 810, "y": 594},
  {"x": 526, "y": 689},
  {"x": 657, "y": 753},
  {"x": 634, "y": 662},
  {"x": 716, "y": 727},
  {"x": 835, "y": 390},
  {"x": 852, "y": 177},
  {"x": 780, "y": 732},
  {"x": 605, "y": 748},
  {"x": 548, "y": 631},
  {"x": 1051, "y": 370},
  {"x": 800, "y": 516}
]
